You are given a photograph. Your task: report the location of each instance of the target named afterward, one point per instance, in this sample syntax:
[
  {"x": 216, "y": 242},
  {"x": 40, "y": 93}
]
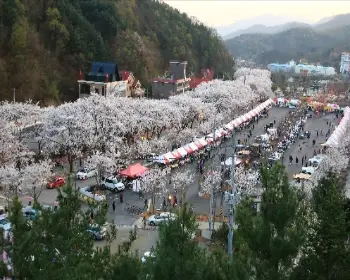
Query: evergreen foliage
[
  {"x": 291, "y": 238},
  {"x": 44, "y": 43}
]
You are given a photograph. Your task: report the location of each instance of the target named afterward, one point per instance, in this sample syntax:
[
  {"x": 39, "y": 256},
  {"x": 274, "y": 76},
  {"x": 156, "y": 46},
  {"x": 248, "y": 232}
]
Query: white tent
[{"x": 228, "y": 162}]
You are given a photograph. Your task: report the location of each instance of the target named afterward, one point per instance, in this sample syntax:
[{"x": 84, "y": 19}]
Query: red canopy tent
[{"x": 133, "y": 171}]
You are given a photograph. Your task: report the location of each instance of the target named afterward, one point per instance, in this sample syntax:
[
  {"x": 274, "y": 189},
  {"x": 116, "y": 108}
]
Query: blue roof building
[{"x": 99, "y": 70}]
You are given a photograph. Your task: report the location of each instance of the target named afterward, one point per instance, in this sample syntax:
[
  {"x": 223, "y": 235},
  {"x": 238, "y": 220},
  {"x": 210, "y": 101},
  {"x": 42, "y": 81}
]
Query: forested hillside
[
  {"x": 44, "y": 43},
  {"x": 324, "y": 47}
]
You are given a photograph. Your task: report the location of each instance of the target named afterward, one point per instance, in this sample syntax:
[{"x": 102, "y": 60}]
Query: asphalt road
[
  {"x": 121, "y": 217},
  {"x": 143, "y": 243},
  {"x": 201, "y": 205},
  {"x": 304, "y": 147}
]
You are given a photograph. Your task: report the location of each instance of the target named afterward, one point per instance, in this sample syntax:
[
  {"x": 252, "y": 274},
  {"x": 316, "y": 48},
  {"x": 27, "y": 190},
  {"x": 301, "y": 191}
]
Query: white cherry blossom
[
  {"x": 246, "y": 181},
  {"x": 34, "y": 177},
  {"x": 104, "y": 163},
  {"x": 181, "y": 180}
]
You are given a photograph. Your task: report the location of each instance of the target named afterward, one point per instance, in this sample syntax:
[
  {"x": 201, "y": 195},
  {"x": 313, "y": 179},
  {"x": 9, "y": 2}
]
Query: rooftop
[{"x": 169, "y": 81}]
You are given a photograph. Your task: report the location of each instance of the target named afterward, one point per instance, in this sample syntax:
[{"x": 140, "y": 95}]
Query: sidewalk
[{"x": 139, "y": 224}]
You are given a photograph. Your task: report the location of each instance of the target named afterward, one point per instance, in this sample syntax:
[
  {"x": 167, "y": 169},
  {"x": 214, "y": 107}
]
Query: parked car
[
  {"x": 308, "y": 170},
  {"x": 55, "y": 182},
  {"x": 86, "y": 173},
  {"x": 112, "y": 184},
  {"x": 316, "y": 160},
  {"x": 97, "y": 232},
  {"x": 30, "y": 213},
  {"x": 146, "y": 255},
  {"x": 5, "y": 223},
  {"x": 160, "y": 218}
]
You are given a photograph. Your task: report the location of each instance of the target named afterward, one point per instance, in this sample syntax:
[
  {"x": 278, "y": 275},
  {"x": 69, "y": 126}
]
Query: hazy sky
[{"x": 218, "y": 13}]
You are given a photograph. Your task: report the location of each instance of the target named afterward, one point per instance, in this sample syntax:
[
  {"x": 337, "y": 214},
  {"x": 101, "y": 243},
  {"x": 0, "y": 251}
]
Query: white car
[
  {"x": 146, "y": 255},
  {"x": 112, "y": 184},
  {"x": 86, "y": 173},
  {"x": 308, "y": 170},
  {"x": 160, "y": 218},
  {"x": 316, "y": 160},
  {"x": 5, "y": 223}
]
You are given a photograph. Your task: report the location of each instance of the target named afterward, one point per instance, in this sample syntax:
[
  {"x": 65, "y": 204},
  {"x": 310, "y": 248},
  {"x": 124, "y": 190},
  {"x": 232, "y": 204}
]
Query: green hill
[
  {"x": 324, "y": 47},
  {"x": 44, "y": 43}
]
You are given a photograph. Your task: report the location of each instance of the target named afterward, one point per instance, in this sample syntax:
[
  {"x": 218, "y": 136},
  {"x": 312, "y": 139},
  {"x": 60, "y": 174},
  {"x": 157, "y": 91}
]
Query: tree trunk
[{"x": 71, "y": 161}]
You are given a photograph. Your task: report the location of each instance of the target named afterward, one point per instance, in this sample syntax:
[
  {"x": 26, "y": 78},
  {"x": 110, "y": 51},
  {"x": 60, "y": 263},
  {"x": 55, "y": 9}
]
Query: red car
[{"x": 56, "y": 182}]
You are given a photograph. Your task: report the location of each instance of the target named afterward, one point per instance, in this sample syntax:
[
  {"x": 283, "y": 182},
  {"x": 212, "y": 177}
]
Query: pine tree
[
  {"x": 326, "y": 254},
  {"x": 271, "y": 240},
  {"x": 57, "y": 245},
  {"x": 176, "y": 256}
]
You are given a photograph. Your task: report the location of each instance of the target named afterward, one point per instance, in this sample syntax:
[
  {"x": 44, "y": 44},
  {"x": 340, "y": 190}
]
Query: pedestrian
[
  {"x": 201, "y": 169},
  {"x": 164, "y": 203},
  {"x": 316, "y": 133},
  {"x": 92, "y": 215},
  {"x": 302, "y": 161},
  {"x": 174, "y": 201},
  {"x": 144, "y": 222},
  {"x": 113, "y": 206},
  {"x": 55, "y": 205},
  {"x": 313, "y": 142},
  {"x": 121, "y": 198},
  {"x": 146, "y": 204},
  {"x": 296, "y": 160}
]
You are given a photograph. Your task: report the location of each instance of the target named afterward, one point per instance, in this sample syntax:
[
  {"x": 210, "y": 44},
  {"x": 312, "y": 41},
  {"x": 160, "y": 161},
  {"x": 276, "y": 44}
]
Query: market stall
[
  {"x": 201, "y": 143},
  {"x": 133, "y": 171}
]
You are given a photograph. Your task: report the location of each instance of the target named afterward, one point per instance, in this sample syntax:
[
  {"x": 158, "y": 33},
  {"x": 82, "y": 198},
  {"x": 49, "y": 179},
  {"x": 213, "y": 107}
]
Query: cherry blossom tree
[
  {"x": 9, "y": 180},
  {"x": 181, "y": 180},
  {"x": 27, "y": 180},
  {"x": 34, "y": 177},
  {"x": 21, "y": 114},
  {"x": 246, "y": 180},
  {"x": 67, "y": 129},
  {"x": 155, "y": 183},
  {"x": 105, "y": 164},
  {"x": 334, "y": 159},
  {"x": 211, "y": 181}
]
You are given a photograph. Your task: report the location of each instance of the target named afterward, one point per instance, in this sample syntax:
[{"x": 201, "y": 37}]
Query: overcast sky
[{"x": 219, "y": 13}]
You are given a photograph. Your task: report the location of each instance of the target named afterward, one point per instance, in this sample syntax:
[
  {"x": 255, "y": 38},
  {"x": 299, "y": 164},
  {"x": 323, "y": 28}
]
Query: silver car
[
  {"x": 86, "y": 173},
  {"x": 160, "y": 218}
]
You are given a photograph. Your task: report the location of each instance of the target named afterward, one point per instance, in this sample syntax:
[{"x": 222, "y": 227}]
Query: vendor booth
[
  {"x": 186, "y": 150},
  {"x": 133, "y": 171}
]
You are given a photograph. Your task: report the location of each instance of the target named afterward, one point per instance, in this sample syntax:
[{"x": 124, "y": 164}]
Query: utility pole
[
  {"x": 212, "y": 187},
  {"x": 14, "y": 95},
  {"x": 232, "y": 199}
]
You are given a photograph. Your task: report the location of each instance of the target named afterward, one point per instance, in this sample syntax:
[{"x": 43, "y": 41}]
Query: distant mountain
[
  {"x": 324, "y": 20},
  {"x": 263, "y": 29},
  {"x": 333, "y": 22},
  {"x": 267, "y": 20},
  {"x": 324, "y": 24},
  {"x": 324, "y": 47}
]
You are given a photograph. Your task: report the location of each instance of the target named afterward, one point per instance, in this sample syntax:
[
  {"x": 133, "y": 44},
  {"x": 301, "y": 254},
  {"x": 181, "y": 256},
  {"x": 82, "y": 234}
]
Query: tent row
[
  {"x": 210, "y": 138},
  {"x": 340, "y": 130}
]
